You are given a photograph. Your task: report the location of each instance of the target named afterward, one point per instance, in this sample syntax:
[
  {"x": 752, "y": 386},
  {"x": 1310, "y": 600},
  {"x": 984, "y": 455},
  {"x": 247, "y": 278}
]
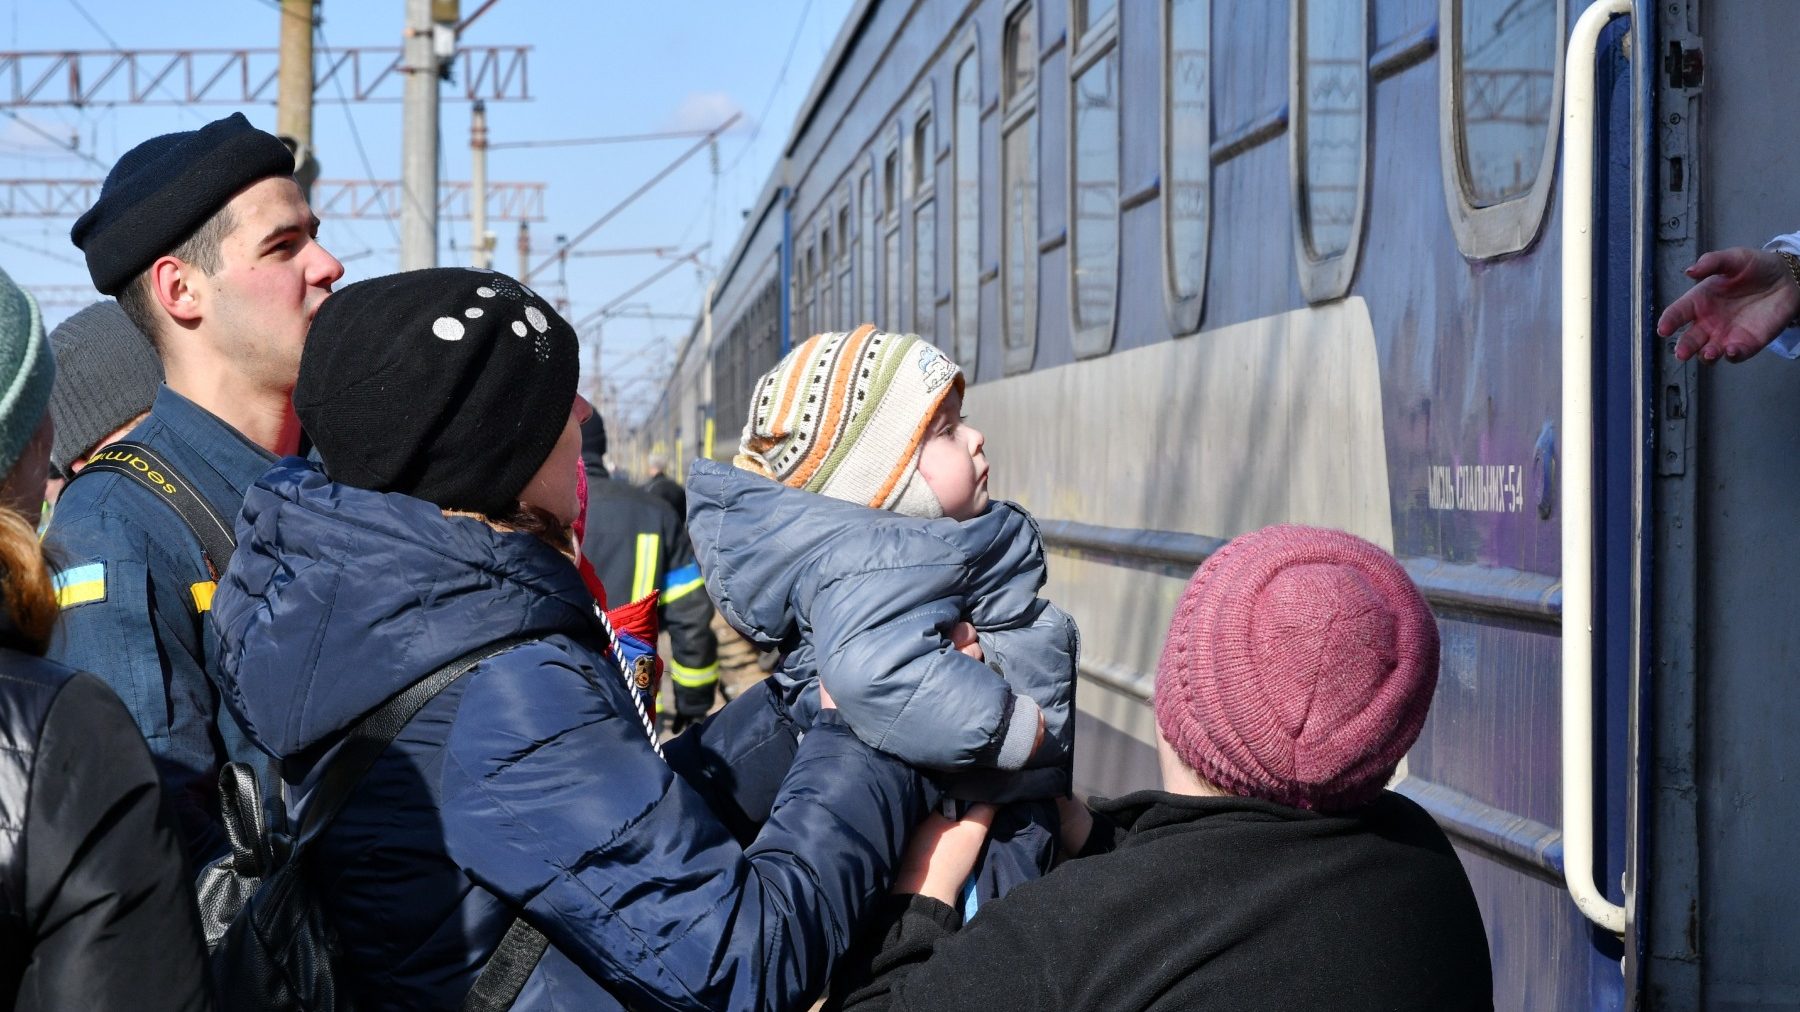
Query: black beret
[
  {"x": 449, "y": 384},
  {"x": 163, "y": 190}
]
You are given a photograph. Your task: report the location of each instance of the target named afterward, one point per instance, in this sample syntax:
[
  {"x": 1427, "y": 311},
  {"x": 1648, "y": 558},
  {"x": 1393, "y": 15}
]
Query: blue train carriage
[{"x": 1391, "y": 267}]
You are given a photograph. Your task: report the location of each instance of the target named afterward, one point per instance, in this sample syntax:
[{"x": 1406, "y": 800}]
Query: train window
[
  {"x": 865, "y": 247},
  {"x": 1500, "y": 87},
  {"x": 890, "y": 251},
  {"x": 811, "y": 315},
  {"x": 923, "y": 158},
  {"x": 827, "y": 318},
  {"x": 1019, "y": 190},
  {"x": 1329, "y": 91},
  {"x": 965, "y": 239},
  {"x": 846, "y": 310},
  {"x": 924, "y": 165},
  {"x": 1187, "y": 156},
  {"x": 1094, "y": 189}
]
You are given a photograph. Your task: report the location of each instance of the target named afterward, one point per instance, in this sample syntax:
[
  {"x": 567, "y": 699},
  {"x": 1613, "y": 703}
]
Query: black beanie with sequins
[{"x": 450, "y": 384}]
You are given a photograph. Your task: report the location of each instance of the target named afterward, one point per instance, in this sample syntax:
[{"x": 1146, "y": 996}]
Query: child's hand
[
  {"x": 963, "y": 638},
  {"x": 942, "y": 853},
  {"x": 825, "y": 700}
]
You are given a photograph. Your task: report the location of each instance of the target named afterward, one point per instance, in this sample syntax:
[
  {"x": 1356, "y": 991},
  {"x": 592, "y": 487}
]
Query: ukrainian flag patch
[{"x": 80, "y": 585}]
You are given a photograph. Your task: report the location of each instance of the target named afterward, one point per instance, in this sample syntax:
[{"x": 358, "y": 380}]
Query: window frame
[
  {"x": 1019, "y": 111},
  {"x": 1101, "y": 40},
  {"x": 893, "y": 212},
  {"x": 921, "y": 176},
  {"x": 1323, "y": 278},
  {"x": 827, "y": 290},
  {"x": 866, "y": 228},
  {"x": 846, "y": 310},
  {"x": 968, "y": 49},
  {"x": 1514, "y": 224},
  {"x": 1184, "y": 312}
]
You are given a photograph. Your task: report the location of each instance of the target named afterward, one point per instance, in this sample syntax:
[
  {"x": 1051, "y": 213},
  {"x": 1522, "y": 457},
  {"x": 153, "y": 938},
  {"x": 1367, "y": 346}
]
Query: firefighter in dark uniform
[{"x": 637, "y": 544}]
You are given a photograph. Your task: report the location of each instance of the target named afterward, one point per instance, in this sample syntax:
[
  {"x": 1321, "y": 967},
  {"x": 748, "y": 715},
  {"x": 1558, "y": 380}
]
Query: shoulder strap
[
  {"x": 371, "y": 737},
  {"x": 501, "y": 980},
  {"x": 144, "y": 466}
]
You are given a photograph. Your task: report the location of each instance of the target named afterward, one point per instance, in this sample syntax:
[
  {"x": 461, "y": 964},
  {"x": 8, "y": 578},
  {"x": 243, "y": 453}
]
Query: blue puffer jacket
[
  {"x": 527, "y": 785},
  {"x": 866, "y": 599}
]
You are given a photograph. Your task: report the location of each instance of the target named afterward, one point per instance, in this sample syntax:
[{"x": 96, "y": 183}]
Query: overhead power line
[
  {"x": 571, "y": 142},
  {"x": 600, "y": 314},
  {"x": 635, "y": 194}
]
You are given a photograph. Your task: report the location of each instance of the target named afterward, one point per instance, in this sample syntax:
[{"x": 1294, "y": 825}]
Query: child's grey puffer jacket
[{"x": 866, "y": 599}]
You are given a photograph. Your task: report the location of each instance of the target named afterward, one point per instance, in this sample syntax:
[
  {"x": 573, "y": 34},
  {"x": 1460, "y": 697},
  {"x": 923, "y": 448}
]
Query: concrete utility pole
[
  {"x": 478, "y": 143},
  {"x": 525, "y": 252},
  {"x": 294, "y": 104},
  {"x": 430, "y": 40}
]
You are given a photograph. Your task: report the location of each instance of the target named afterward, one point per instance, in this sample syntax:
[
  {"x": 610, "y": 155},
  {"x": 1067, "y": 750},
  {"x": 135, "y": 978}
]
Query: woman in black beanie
[{"x": 437, "y": 523}]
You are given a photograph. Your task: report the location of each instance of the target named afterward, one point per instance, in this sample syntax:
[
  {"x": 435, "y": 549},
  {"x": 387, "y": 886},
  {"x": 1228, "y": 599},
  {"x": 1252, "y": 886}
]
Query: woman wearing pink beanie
[{"x": 1273, "y": 870}]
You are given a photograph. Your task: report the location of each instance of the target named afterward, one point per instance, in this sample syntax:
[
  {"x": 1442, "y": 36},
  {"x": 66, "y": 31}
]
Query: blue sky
[{"x": 599, "y": 67}]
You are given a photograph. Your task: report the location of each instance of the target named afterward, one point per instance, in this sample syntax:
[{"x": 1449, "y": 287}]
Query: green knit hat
[
  {"x": 27, "y": 371},
  {"x": 844, "y": 415}
]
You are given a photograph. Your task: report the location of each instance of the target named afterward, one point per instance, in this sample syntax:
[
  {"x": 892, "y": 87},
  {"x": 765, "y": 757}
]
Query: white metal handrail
[{"x": 1578, "y": 467}]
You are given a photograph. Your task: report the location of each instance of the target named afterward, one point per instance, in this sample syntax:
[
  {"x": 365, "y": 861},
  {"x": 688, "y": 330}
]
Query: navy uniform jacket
[{"x": 136, "y": 596}]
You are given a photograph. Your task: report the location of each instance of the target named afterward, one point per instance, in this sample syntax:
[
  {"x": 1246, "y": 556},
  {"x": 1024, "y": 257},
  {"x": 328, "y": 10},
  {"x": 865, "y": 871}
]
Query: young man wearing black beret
[{"x": 210, "y": 248}]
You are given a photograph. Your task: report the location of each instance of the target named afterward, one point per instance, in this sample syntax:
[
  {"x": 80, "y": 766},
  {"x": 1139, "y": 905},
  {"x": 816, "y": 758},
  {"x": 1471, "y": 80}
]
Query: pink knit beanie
[{"x": 1298, "y": 668}]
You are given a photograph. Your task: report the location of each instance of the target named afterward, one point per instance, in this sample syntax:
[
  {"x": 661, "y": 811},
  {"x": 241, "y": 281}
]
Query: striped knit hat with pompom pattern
[{"x": 844, "y": 415}]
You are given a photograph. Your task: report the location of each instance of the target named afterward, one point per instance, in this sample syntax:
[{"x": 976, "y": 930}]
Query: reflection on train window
[
  {"x": 890, "y": 254},
  {"x": 1331, "y": 109},
  {"x": 924, "y": 165},
  {"x": 1094, "y": 197},
  {"x": 966, "y": 222},
  {"x": 1019, "y": 190},
  {"x": 1500, "y": 88},
  {"x": 865, "y": 247},
  {"x": 1187, "y": 156},
  {"x": 1090, "y": 14},
  {"x": 1330, "y": 93},
  {"x": 1507, "y": 67}
]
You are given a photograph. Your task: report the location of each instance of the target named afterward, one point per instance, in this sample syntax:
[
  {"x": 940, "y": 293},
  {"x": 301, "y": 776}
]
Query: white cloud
[{"x": 703, "y": 110}]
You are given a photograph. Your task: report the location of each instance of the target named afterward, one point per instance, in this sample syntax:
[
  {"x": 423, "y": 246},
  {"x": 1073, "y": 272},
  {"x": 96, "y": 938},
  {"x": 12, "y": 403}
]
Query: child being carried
[{"x": 873, "y": 581}]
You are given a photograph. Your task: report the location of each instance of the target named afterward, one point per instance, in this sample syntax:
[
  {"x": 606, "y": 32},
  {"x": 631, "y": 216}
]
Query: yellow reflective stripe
[
  {"x": 203, "y": 594},
  {"x": 682, "y": 590},
  {"x": 80, "y": 584},
  {"x": 80, "y": 593},
  {"x": 643, "y": 578},
  {"x": 694, "y": 678}
]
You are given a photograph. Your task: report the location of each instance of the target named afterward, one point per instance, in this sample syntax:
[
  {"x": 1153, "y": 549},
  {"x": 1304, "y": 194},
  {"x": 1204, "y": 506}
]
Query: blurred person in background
[{"x": 107, "y": 376}]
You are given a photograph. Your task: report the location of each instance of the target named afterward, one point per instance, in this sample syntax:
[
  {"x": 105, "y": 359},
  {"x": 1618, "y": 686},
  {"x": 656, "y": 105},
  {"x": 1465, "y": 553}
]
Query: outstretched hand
[
  {"x": 942, "y": 853},
  {"x": 1743, "y": 299}
]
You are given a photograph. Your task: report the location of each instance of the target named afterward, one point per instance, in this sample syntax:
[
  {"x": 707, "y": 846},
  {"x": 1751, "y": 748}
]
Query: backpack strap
[
  {"x": 146, "y": 467},
  {"x": 508, "y": 969},
  {"x": 371, "y": 737}
]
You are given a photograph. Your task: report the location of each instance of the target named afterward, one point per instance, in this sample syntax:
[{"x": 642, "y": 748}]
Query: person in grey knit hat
[
  {"x": 27, "y": 372},
  {"x": 107, "y": 377}
]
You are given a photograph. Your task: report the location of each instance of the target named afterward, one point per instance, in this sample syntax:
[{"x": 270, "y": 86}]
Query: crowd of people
[{"x": 271, "y": 517}]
